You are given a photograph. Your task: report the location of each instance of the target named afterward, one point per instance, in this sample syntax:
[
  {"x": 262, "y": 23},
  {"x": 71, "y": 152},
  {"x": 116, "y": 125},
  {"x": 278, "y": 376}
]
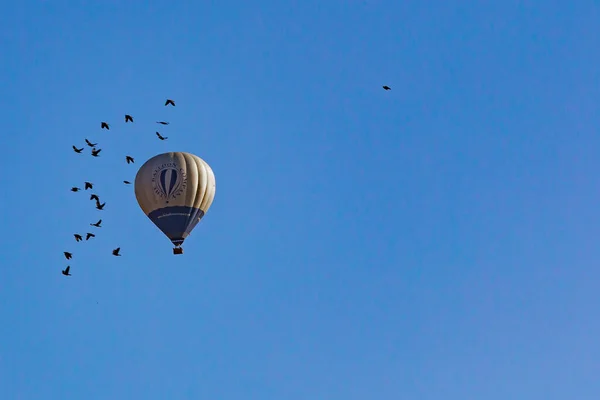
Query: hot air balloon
[{"x": 175, "y": 190}]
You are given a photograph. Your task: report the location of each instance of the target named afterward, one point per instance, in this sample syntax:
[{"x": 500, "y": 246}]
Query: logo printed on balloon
[{"x": 169, "y": 181}]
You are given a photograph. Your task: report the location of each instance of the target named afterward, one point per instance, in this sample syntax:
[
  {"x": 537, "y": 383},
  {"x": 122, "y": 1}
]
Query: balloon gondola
[{"x": 175, "y": 190}]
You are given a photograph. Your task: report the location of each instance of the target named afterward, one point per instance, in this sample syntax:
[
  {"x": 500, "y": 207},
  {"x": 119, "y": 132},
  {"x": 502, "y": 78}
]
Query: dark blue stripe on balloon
[
  {"x": 176, "y": 222},
  {"x": 172, "y": 183},
  {"x": 163, "y": 185}
]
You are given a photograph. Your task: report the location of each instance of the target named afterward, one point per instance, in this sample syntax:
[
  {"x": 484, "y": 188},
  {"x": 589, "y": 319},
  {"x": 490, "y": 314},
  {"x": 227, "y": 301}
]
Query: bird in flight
[
  {"x": 128, "y": 118},
  {"x": 76, "y": 150},
  {"x": 100, "y": 206},
  {"x": 127, "y": 182},
  {"x": 169, "y": 101},
  {"x": 90, "y": 143},
  {"x": 88, "y": 185},
  {"x": 161, "y": 137},
  {"x": 104, "y": 125},
  {"x": 162, "y": 122},
  {"x": 115, "y": 252},
  {"x": 75, "y": 189},
  {"x": 96, "y": 152},
  {"x": 94, "y": 197},
  {"x": 78, "y": 237},
  {"x": 68, "y": 255},
  {"x": 385, "y": 87},
  {"x": 129, "y": 159},
  {"x": 97, "y": 224},
  {"x": 89, "y": 235},
  {"x": 65, "y": 272}
]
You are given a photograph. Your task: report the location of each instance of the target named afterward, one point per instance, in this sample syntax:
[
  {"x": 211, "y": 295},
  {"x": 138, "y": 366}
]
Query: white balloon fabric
[{"x": 175, "y": 190}]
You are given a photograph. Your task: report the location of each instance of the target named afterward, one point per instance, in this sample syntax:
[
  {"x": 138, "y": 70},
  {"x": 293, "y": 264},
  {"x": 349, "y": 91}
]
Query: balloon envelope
[{"x": 175, "y": 190}]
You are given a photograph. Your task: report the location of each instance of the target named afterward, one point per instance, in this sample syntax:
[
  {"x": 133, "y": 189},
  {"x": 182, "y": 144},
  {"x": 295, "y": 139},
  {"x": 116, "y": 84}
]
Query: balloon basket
[{"x": 177, "y": 250}]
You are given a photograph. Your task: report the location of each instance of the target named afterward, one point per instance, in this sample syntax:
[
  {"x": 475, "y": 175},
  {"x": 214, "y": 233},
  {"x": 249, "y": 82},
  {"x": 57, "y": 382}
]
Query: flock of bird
[{"x": 89, "y": 185}]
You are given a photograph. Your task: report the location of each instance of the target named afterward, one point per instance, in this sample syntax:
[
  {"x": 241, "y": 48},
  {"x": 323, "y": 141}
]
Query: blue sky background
[{"x": 437, "y": 241}]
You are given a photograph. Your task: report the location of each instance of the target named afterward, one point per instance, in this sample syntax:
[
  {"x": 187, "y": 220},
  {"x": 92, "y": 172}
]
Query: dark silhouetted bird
[
  {"x": 104, "y": 125},
  {"x": 65, "y": 272},
  {"x": 75, "y": 189},
  {"x": 127, "y": 182},
  {"x": 76, "y": 150},
  {"x": 89, "y": 235},
  {"x": 77, "y": 237},
  {"x": 88, "y": 185},
  {"x": 97, "y": 224},
  {"x": 115, "y": 252},
  {"x": 169, "y": 101},
  {"x": 68, "y": 255},
  {"x": 161, "y": 137},
  {"x": 162, "y": 122},
  {"x": 100, "y": 206},
  {"x": 94, "y": 197},
  {"x": 90, "y": 143},
  {"x": 386, "y": 87},
  {"x": 128, "y": 118},
  {"x": 129, "y": 159},
  {"x": 96, "y": 152}
]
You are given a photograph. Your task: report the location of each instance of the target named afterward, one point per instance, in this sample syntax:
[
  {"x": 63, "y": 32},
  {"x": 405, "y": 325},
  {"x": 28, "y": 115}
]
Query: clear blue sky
[{"x": 435, "y": 241}]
